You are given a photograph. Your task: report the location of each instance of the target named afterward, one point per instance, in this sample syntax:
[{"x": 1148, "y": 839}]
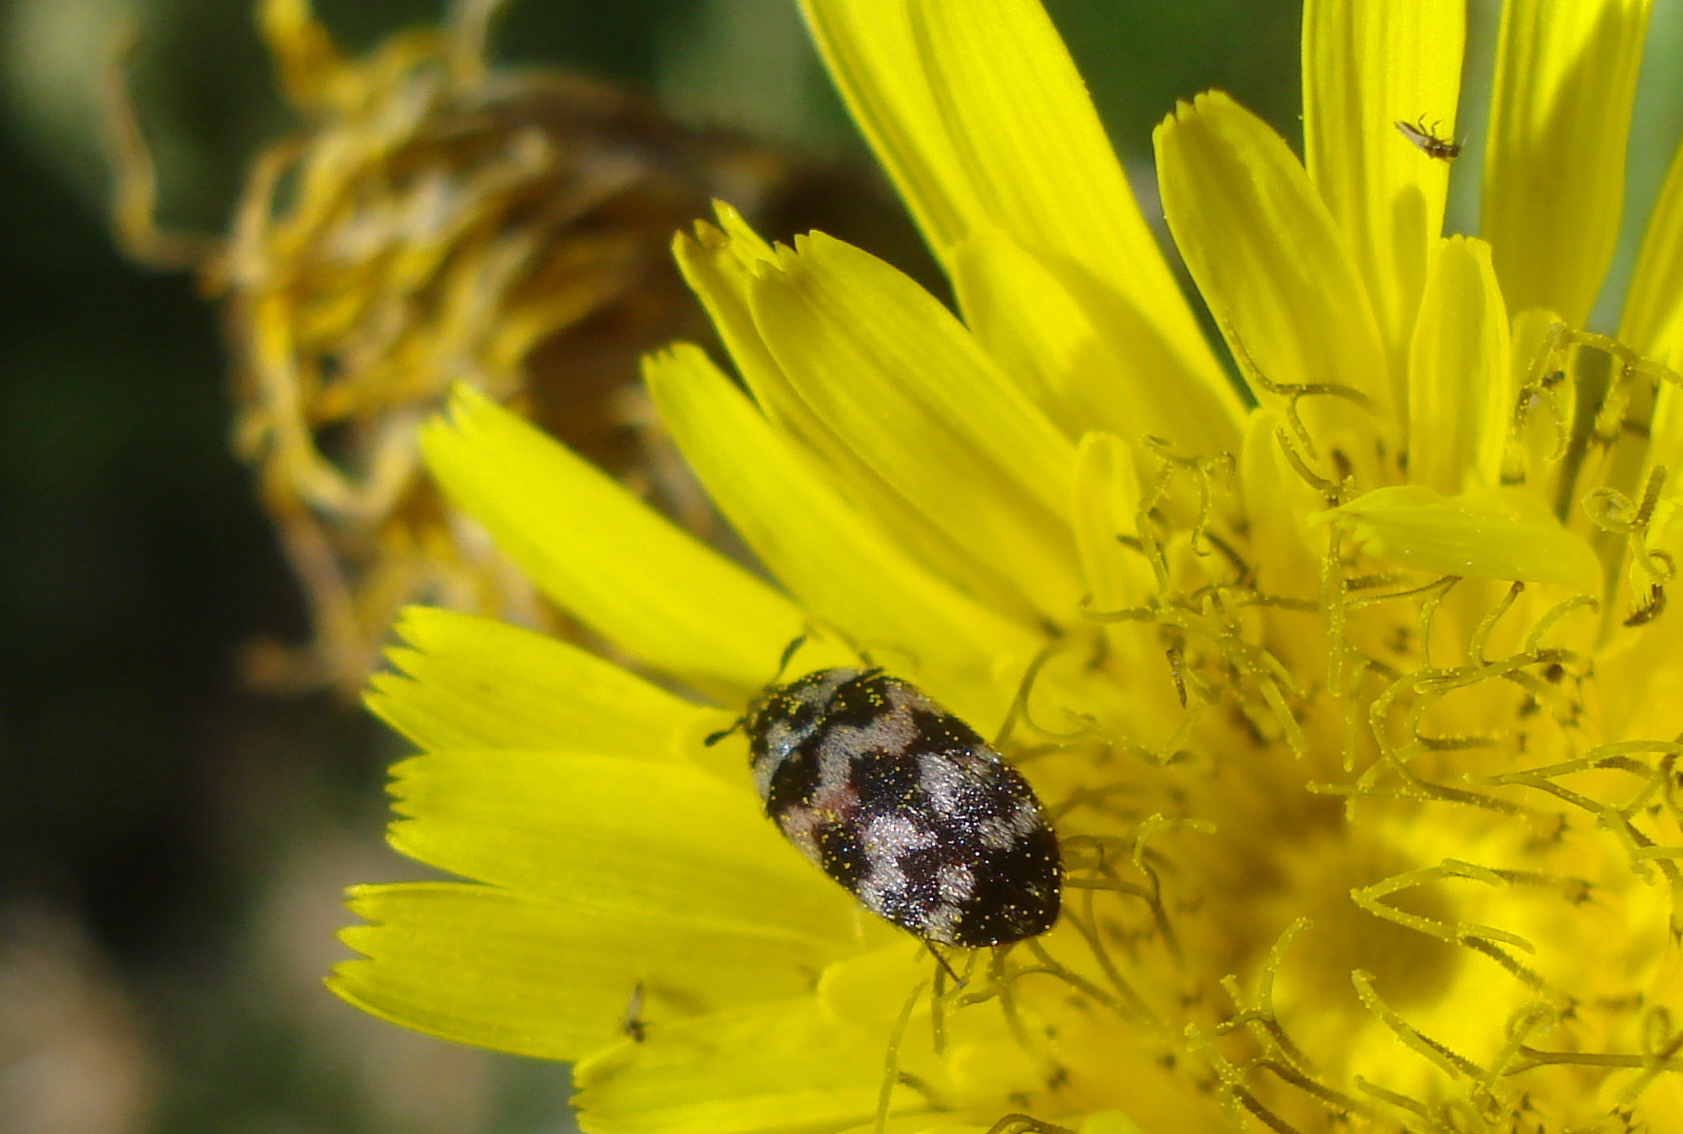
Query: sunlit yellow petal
[
  {"x": 1652, "y": 324},
  {"x": 1555, "y": 158},
  {"x": 484, "y": 966},
  {"x": 781, "y": 1067},
  {"x": 869, "y": 48},
  {"x": 979, "y": 116},
  {"x": 471, "y": 682},
  {"x": 1653, "y": 317},
  {"x": 1493, "y": 533},
  {"x": 1264, "y": 250},
  {"x": 1459, "y": 403},
  {"x": 1086, "y": 359},
  {"x": 1365, "y": 67},
  {"x": 1276, "y": 500},
  {"x": 909, "y": 390},
  {"x": 977, "y": 112},
  {"x": 1027, "y": 138},
  {"x": 599, "y": 830},
  {"x": 871, "y": 987},
  {"x": 1106, "y": 508},
  {"x": 1109, "y": 1122},
  {"x": 720, "y": 263},
  {"x": 843, "y": 569},
  {"x": 606, "y": 557},
  {"x": 918, "y": 1124}
]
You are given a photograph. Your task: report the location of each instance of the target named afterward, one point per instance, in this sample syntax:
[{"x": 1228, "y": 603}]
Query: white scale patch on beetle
[{"x": 905, "y": 806}]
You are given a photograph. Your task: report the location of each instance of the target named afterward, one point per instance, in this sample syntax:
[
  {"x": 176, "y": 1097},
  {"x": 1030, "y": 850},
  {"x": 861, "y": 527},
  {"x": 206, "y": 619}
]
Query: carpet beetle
[{"x": 906, "y": 806}]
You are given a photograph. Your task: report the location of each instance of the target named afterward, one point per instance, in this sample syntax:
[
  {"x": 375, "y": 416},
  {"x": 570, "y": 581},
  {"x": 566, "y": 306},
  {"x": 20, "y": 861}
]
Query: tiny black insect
[
  {"x": 906, "y": 806},
  {"x": 1427, "y": 140}
]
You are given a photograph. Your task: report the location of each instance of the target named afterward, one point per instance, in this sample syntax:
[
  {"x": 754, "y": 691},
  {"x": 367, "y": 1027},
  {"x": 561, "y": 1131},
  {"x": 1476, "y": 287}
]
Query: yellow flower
[{"x": 1356, "y": 710}]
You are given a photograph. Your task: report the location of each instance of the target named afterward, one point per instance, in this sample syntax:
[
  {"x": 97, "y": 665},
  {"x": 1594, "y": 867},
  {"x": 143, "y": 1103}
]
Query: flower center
[{"x": 1335, "y": 854}]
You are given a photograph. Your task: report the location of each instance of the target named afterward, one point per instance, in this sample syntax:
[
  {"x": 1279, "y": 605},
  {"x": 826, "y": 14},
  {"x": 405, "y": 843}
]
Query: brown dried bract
[{"x": 441, "y": 220}]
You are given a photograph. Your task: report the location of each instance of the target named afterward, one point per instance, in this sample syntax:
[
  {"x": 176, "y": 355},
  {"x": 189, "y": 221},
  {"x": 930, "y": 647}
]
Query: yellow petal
[
  {"x": 1492, "y": 533},
  {"x": 1652, "y": 324},
  {"x": 1109, "y": 1122},
  {"x": 472, "y": 682},
  {"x": 780, "y": 1067},
  {"x": 1026, "y": 136},
  {"x": 1459, "y": 404},
  {"x": 1276, "y": 500},
  {"x": 870, "y": 988},
  {"x": 908, "y": 389},
  {"x": 1106, "y": 507},
  {"x": 1665, "y": 446},
  {"x": 720, "y": 263},
  {"x": 606, "y": 557},
  {"x": 1555, "y": 160},
  {"x": 1265, "y": 252},
  {"x": 1090, "y": 362},
  {"x": 919, "y": 1124},
  {"x": 872, "y": 56},
  {"x": 978, "y": 114},
  {"x": 1029, "y": 143},
  {"x": 550, "y": 979},
  {"x": 628, "y": 835},
  {"x": 841, "y": 567},
  {"x": 1365, "y": 67}
]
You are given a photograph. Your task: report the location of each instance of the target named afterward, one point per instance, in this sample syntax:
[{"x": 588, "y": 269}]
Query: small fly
[{"x": 1427, "y": 141}]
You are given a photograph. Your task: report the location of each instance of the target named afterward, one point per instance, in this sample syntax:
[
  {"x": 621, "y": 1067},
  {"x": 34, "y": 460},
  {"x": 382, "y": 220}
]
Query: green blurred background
[{"x": 173, "y": 845}]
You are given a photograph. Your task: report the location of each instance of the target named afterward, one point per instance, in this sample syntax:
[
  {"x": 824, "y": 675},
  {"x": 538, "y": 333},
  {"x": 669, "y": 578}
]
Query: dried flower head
[{"x": 436, "y": 220}]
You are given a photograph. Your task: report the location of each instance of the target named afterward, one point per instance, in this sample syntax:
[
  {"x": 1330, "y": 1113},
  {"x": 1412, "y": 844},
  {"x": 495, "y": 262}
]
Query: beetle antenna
[
  {"x": 713, "y": 738},
  {"x": 782, "y": 664},
  {"x": 788, "y": 654}
]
